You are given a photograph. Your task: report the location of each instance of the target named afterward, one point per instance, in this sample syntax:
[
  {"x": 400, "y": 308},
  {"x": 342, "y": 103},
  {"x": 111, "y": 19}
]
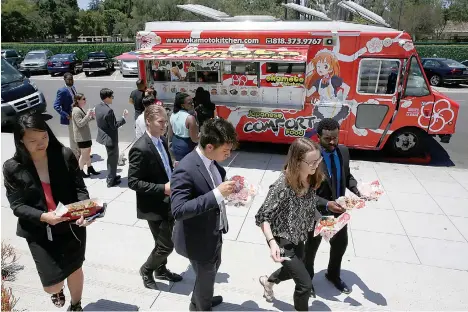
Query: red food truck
[{"x": 275, "y": 80}]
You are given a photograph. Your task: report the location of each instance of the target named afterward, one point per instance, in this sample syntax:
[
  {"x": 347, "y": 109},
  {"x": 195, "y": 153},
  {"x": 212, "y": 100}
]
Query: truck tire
[
  {"x": 86, "y": 73},
  {"x": 406, "y": 142}
]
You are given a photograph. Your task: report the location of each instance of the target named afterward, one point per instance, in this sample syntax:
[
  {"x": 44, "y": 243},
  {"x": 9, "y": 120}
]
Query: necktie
[
  {"x": 163, "y": 154},
  {"x": 223, "y": 222},
  {"x": 334, "y": 175},
  {"x": 73, "y": 90}
]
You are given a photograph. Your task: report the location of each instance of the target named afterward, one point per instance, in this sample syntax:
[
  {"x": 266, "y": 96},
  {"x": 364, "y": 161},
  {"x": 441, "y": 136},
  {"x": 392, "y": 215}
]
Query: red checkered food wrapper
[
  {"x": 244, "y": 192},
  {"x": 372, "y": 190},
  {"x": 83, "y": 208},
  {"x": 328, "y": 226},
  {"x": 351, "y": 201}
]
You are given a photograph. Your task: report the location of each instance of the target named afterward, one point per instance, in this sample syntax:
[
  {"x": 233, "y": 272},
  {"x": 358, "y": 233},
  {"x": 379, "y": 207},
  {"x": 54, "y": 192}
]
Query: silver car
[
  {"x": 36, "y": 61},
  {"x": 129, "y": 68}
]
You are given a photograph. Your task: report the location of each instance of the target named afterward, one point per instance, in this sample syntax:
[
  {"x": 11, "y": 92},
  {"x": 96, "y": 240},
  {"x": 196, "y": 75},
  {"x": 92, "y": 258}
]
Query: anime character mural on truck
[{"x": 326, "y": 89}]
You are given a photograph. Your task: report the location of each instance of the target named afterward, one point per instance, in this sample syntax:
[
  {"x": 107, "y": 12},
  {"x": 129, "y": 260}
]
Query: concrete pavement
[{"x": 408, "y": 251}]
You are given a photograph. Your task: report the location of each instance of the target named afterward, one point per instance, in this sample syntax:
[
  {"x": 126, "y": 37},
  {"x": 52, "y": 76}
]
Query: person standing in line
[
  {"x": 338, "y": 179},
  {"x": 108, "y": 134},
  {"x": 197, "y": 204},
  {"x": 205, "y": 109},
  {"x": 63, "y": 106},
  {"x": 287, "y": 215},
  {"x": 148, "y": 175},
  {"x": 41, "y": 174},
  {"x": 140, "y": 123},
  {"x": 184, "y": 129},
  {"x": 82, "y": 133},
  {"x": 136, "y": 97}
]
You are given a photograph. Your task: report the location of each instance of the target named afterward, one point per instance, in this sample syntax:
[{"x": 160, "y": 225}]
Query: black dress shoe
[
  {"x": 117, "y": 177},
  {"x": 165, "y": 274},
  {"x": 92, "y": 171},
  {"x": 339, "y": 284},
  {"x": 148, "y": 280},
  {"x": 216, "y": 301},
  {"x": 115, "y": 182}
]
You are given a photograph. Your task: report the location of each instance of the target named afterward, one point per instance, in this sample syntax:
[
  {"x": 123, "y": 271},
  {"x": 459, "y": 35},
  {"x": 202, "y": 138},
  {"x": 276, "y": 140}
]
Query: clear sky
[{"x": 83, "y": 4}]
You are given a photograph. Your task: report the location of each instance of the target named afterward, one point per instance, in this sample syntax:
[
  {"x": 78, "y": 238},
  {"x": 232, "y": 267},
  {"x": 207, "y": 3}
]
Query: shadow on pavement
[
  {"x": 108, "y": 305},
  {"x": 246, "y": 306},
  {"x": 327, "y": 291}
]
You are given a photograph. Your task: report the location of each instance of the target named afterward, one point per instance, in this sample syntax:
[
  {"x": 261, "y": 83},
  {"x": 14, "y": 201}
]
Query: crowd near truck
[{"x": 274, "y": 80}]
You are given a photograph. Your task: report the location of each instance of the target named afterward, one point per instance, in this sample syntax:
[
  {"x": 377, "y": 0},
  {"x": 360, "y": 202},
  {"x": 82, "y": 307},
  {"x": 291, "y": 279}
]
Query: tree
[{"x": 457, "y": 10}]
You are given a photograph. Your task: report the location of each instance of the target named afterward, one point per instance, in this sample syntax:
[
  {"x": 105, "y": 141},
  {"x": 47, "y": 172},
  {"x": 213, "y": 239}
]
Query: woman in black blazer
[{"x": 41, "y": 174}]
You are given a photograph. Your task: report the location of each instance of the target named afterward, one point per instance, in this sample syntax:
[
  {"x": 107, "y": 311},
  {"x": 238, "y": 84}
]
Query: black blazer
[
  {"x": 326, "y": 193},
  {"x": 196, "y": 232},
  {"x": 108, "y": 126},
  {"x": 26, "y": 195},
  {"x": 146, "y": 176}
]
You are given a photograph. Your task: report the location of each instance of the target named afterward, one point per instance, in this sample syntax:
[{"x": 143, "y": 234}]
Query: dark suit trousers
[
  {"x": 296, "y": 270},
  {"x": 338, "y": 244},
  {"x": 205, "y": 274},
  {"x": 163, "y": 245},
  {"x": 112, "y": 161}
]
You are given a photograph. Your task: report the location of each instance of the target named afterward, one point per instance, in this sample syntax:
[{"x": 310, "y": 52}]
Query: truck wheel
[
  {"x": 406, "y": 142},
  {"x": 435, "y": 80},
  {"x": 86, "y": 73}
]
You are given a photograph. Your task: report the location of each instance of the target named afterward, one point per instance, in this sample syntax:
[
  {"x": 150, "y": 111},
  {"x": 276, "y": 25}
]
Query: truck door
[{"x": 376, "y": 100}]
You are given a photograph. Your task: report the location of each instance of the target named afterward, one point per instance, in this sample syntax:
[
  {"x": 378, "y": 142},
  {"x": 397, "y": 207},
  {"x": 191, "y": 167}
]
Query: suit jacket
[
  {"x": 196, "y": 232},
  {"x": 147, "y": 176},
  {"x": 26, "y": 195},
  {"x": 63, "y": 105},
  {"x": 326, "y": 192},
  {"x": 108, "y": 125}
]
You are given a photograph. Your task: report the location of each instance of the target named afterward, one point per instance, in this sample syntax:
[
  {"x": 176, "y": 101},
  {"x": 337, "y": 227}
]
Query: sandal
[
  {"x": 268, "y": 288},
  {"x": 75, "y": 307},
  {"x": 58, "y": 299}
]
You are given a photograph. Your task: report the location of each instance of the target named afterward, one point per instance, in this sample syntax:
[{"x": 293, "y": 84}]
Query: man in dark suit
[
  {"x": 148, "y": 175},
  {"x": 108, "y": 134},
  {"x": 197, "y": 204},
  {"x": 335, "y": 165},
  {"x": 63, "y": 105}
]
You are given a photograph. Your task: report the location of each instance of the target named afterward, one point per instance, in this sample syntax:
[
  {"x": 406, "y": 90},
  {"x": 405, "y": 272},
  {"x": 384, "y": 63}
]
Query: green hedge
[
  {"x": 82, "y": 50},
  {"x": 456, "y": 52}
]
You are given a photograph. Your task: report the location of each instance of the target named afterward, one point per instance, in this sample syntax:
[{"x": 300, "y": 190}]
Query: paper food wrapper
[
  {"x": 350, "y": 202},
  {"x": 372, "y": 190},
  {"x": 244, "y": 193},
  {"x": 328, "y": 226},
  {"x": 83, "y": 208}
]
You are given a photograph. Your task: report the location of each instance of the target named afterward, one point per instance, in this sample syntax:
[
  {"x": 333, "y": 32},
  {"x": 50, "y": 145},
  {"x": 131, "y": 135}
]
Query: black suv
[{"x": 19, "y": 94}]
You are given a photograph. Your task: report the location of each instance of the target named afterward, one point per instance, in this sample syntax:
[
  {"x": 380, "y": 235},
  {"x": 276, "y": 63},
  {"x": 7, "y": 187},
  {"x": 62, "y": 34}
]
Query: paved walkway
[{"x": 409, "y": 251}]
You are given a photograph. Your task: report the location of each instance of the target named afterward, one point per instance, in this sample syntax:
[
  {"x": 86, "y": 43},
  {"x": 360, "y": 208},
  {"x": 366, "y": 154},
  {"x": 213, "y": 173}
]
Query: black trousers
[
  {"x": 296, "y": 270},
  {"x": 338, "y": 244},
  {"x": 205, "y": 274},
  {"x": 112, "y": 161},
  {"x": 163, "y": 245}
]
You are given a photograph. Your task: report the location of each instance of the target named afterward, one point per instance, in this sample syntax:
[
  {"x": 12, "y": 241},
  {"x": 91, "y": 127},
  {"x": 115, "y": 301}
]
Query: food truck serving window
[
  {"x": 378, "y": 76},
  {"x": 285, "y": 68},
  {"x": 187, "y": 71},
  {"x": 241, "y": 68}
]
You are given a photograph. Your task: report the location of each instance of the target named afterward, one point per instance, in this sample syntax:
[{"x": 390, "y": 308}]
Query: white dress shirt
[
  {"x": 163, "y": 157},
  {"x": 140, "y": 126},
  {"x": 207, "y": 162}
]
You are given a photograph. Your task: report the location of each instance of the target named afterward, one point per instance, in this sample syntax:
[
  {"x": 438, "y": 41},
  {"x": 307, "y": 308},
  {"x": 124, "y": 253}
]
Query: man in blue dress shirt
[{"x": 335, "y": 165}]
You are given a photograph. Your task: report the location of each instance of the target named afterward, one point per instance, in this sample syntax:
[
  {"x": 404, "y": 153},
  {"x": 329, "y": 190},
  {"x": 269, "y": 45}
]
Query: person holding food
[
  {"x": 338, "y": 179},
  {"x": 42, "y": 174},
  {"x": 286, "y": 217},
  {"x": 184, "y": 127},
  {"x": 82, "y": 133}
]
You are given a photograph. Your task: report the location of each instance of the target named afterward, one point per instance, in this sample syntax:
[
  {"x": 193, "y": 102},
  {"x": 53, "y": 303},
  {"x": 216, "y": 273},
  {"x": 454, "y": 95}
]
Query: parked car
[
  {"x": 441, "y": 70},
  {"x": 19, "y": 94},
  {"x": 465, "y": 63},
  {"x": 128, "y": 68},
  {"x": 36, "y": 61},
  {"x": 98, "y": 62},
  {"x": 63, "y": 63},
  {"x": 12, "y": 57}
]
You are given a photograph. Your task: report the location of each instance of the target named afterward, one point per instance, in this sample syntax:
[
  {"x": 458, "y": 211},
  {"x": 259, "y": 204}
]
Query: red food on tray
[
  {"x": 239, "y": 182},
  {"x": 83, "y": 208}
]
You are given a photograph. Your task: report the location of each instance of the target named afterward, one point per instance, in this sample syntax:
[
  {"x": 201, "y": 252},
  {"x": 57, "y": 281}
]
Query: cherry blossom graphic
[
  {"x": 147, "y": 41},
  {"x": 442, "y": 115},
  {"x": 387, "y": 42},
  {"x": 375, "y": 45},
  {"x": 408, "y": 46}
]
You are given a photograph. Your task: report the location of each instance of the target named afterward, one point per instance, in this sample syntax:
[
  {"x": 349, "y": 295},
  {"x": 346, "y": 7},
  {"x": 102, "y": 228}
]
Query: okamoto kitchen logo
[{"x": 274, "y": 121}]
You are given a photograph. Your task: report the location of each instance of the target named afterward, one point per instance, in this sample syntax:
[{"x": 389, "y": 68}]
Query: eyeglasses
[{"x": 315, "y": 163}]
